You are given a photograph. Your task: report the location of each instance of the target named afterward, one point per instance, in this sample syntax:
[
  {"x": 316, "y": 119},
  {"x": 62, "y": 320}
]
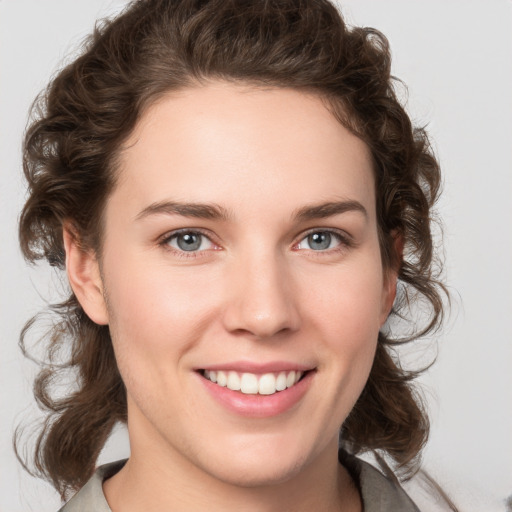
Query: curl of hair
[{"x": 93, "y": 104}]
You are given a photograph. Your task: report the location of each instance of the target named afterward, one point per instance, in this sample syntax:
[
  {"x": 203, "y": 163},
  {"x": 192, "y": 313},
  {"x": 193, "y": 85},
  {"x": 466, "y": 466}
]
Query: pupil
[
  {"x": 189, "y": 242},
  {"x": 319, "y": 241}
]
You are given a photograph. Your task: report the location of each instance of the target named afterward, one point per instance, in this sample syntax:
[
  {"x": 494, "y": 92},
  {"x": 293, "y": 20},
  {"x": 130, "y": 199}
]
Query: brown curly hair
[{"x": 91, "y": 107}]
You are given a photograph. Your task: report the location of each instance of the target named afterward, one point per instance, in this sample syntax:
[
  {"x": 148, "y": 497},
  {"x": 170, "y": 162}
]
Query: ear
[
  {"x": 84, "y": 277},
  {"x": 391, "y": 277}
]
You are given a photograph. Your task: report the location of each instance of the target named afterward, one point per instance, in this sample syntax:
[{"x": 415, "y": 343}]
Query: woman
[{"x": 234, "y": 191}]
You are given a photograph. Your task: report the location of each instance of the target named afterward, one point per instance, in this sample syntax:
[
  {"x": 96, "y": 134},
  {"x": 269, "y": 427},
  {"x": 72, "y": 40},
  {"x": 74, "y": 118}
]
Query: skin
[{"x": 255, "y": 291}]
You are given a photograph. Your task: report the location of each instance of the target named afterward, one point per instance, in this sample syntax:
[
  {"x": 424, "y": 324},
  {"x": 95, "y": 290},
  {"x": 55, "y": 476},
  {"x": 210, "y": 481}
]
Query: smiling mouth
[{"x": 254, "y": 384}]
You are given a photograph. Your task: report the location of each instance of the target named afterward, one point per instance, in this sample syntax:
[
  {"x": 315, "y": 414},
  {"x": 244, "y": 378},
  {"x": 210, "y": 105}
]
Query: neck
[{"x": 154, "y": 480}]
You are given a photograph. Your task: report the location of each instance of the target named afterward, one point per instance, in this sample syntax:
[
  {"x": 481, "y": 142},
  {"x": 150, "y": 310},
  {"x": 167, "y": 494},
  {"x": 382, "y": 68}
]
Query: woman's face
[{"x": 241, "y": 247}]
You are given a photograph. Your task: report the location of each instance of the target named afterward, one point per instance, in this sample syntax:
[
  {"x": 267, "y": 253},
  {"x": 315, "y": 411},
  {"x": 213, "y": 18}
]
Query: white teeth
[
  {"x": 249, "y": 384},
  {"x": 281, "y": 381},
  {"x": 233, "y": 381},
  {"x": 222, "y": 379},
  {"x": 267, "y": 385},
  {"x": 252, "y": 384}
]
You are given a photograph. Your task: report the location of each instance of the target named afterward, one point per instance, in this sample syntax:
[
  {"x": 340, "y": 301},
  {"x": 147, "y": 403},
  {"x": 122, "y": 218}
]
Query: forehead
[{"x": 244, "y": 145}]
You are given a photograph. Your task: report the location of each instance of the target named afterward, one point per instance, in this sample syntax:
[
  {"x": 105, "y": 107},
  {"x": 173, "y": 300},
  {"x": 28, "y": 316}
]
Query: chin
[
  {"x": 255, "y": 474},
  {"x": 259, "y": 463}
]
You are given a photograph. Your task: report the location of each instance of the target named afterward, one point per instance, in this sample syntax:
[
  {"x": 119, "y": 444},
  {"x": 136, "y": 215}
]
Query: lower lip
[{"x": 259, "y": 406}]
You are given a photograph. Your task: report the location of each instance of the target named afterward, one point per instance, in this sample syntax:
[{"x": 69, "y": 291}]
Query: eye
[
  {"x": 320, "y": 241},
  {"x": 189, "y": 241}
]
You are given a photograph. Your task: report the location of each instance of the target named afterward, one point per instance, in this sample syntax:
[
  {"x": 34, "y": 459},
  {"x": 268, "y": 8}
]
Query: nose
[{"x": 261, "y": 299}]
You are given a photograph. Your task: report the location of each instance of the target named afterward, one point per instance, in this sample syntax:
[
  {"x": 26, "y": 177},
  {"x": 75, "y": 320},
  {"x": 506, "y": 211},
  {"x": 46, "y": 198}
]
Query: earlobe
[
  {"x": 388, "y": 294},
  {"x": 84, "y": 276},
  {"x": 391, "y": 277}
]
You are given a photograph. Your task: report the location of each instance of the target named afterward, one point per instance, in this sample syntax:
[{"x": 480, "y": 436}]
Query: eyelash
[
  {"x": 345, "y": 241},
  {"x": 166, "y": 239}
]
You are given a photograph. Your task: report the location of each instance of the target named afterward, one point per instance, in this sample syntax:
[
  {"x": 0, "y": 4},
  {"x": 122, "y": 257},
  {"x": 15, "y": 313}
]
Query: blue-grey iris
[
  {"x": 319, "y": 241},
  {"x": 189, "y": 241}
]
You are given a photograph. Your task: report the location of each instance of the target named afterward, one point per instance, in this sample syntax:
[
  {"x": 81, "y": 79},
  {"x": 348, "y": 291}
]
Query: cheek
[
  {"x": 349, "y": 300},
  {"x": 155, "y": 317},
  {"x": 347, "y": 311}
]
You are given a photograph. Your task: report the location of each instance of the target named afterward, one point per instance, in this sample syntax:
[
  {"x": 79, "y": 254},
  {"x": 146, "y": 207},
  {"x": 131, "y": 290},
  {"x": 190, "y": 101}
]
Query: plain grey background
[{"x": 456, "y": 58}]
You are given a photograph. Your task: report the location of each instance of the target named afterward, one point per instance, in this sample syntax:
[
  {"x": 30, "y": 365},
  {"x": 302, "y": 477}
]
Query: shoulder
[
  {"x": 90, "y": 497},
  {"x": 379, "y": 493}
]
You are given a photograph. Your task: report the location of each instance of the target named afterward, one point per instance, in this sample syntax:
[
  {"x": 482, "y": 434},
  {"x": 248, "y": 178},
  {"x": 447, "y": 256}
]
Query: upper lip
[{"x": 258, "y": 368}]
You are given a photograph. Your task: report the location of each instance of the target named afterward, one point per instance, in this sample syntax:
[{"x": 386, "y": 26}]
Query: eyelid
[
  {"x": 346, "y": 240},
  {"x": 164, "y": 241}
]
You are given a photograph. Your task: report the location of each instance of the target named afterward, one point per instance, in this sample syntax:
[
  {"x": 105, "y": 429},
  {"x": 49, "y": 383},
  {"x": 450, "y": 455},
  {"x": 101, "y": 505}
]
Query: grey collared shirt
[{"x": 378, "y": 492}]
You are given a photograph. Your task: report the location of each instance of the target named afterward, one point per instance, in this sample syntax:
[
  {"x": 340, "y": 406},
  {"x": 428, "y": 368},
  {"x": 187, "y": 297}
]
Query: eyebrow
[
  {"x": 217, "y": 212},
  {"x": 195, "y": 210},
  {"x": 324, "y": 210}
]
